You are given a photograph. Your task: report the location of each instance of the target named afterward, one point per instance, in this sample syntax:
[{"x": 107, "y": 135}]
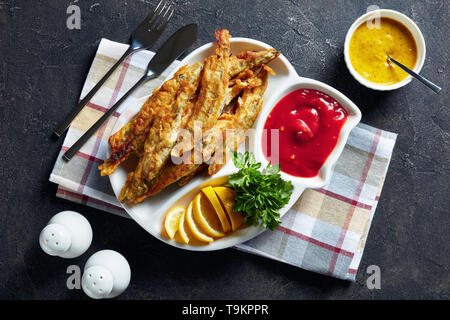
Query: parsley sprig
[{"x": 258, "y": 194}]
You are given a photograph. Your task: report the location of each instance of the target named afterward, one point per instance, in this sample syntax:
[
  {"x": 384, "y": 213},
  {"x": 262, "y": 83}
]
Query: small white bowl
[
  {"x": 409, "y": 24},
  {"x": 295, "y": 82}
]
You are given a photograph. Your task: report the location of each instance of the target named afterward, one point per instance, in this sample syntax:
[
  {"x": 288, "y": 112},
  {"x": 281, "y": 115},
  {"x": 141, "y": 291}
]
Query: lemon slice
[
  {"x": 193, "y": 226},
  {"x": 172, "y": 220},
  {"x": 182, "y": 231},
  {"x": 211, "y": 195},
  {"x": 206, "y": 217},
  {"x": 226, "y": 197}
]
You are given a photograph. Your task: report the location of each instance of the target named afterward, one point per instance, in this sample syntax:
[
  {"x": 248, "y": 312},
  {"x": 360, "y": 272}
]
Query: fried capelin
[
  {"x": 227, "y": 134},
  {"x": 171, "y": 172},
  {"x": 131, "y": 137},
  {"x": 246, "y": 79},
  {"x": 213, "y": 90},
  {"x": 160, "y": 140},
  {"x": 248, "y": 107}
]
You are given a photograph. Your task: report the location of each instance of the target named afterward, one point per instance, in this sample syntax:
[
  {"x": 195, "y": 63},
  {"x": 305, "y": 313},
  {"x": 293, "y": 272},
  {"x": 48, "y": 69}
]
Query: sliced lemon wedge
[
  {"x": 226, "y": 197},
  {"x": 193, "y": 225},
  {"x": 172, "y": 220},
  {"x": 206, "y": 217},
  {"x": 182, "y": 231},
  {"x": 211, "y": 195}
]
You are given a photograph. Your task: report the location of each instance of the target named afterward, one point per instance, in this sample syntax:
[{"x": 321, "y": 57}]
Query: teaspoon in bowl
[{"x": 425, "y": 81}]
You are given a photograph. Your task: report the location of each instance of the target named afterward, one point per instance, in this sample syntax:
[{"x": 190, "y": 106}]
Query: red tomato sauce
[{"x": 309, "y": 123}]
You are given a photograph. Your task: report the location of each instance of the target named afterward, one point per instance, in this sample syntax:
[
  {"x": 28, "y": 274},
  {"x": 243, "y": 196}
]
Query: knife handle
[
  {"x": 62, "y": 127},
  {"x": 85, "y": 137}
]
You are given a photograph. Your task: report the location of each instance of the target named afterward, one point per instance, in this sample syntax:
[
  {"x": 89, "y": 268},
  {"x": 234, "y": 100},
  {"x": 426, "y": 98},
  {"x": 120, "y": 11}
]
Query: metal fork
[{"x": 142, "y": 38}]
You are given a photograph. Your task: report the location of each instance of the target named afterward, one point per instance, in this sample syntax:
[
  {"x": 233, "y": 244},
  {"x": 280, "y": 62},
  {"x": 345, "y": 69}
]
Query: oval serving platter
[{"x": 150, "y": 213}]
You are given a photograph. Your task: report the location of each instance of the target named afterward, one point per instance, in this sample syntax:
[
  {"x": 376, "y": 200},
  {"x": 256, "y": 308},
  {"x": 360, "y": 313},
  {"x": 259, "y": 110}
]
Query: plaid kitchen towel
[{"x": 325, "y": 231}]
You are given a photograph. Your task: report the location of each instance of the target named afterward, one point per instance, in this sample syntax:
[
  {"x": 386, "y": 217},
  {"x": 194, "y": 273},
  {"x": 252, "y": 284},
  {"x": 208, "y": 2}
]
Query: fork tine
[
  {"x": 162, "y": 19},
  {"x": 163, "y": 25},
  {"x": 158, "y": 5},
  {"x": 157, "y": 12},
  {"x": 153, "y": 24},
  {"x": 168, "y": 8},
  {"x": 162, "y": 9},
  {"x": 153, "y": 13}
]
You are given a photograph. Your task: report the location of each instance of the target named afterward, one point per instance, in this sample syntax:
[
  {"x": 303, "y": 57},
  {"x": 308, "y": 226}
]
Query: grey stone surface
[{"x": 42, "y": 69}]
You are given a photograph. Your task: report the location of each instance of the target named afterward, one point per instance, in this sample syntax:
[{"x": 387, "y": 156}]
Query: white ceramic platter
[{"x": 150, "y": 213}]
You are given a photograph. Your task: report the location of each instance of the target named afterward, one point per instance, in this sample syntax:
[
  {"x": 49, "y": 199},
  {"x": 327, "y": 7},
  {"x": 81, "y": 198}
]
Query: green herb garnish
[{"x": 258, "y": 194}]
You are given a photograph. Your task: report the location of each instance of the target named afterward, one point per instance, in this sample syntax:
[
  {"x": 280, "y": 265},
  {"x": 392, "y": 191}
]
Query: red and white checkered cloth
[{"x": 325, "y": 231}]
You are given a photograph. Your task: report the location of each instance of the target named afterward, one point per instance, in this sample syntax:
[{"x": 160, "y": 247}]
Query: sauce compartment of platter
[{"x": 353, "y": 118}]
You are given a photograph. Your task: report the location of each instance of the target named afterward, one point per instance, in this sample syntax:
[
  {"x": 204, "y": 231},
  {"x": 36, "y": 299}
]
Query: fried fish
[
  {"x": 227, "y": 134},
  {"x": 160, "y": 140},
  {"x": 131, "y": 138},
  {"x": 221, "y": 97},
  {"x": 185, "y": 171},
  {"x": 248, "y": 107},
  {"x": 213, "y": 89}
]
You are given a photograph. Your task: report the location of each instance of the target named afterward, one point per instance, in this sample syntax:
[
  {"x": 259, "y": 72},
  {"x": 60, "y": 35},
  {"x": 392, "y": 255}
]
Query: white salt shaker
[
  {"x": 68, "y": 235},
  {"x": 106, "y": 275}
]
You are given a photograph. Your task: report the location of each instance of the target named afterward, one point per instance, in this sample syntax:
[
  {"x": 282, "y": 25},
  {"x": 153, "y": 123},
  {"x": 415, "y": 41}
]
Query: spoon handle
[{"x": 425, "y": 81}]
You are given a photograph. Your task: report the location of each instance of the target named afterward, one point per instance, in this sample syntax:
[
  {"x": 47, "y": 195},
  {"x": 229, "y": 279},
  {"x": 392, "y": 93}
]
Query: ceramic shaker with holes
[
  {"x": 67, "y": 235},
  {"x": 106, "y": 275}
]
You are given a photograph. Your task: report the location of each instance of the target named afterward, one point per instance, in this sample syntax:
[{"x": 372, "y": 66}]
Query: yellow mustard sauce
[{"x": 370, "y": 46}]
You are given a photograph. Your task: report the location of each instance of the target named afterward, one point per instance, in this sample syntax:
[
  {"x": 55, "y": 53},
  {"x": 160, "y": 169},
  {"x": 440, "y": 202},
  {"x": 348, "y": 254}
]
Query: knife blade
[
  {"x": 169, "y": 52},
  {"x": 173, "y": 48}
]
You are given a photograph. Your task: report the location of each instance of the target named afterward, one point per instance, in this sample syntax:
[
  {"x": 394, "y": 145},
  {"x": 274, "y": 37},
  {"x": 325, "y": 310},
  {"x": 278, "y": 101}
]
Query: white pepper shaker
[
  {"x": 106, "y": 275},
  {"x": 68, "y": 235}
]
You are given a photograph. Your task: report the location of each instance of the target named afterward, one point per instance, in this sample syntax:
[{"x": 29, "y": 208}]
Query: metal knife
[{"x": 170, "y": 51}]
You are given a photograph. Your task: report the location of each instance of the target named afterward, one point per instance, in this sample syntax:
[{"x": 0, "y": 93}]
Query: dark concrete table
[{"x": 43, "y": 66}]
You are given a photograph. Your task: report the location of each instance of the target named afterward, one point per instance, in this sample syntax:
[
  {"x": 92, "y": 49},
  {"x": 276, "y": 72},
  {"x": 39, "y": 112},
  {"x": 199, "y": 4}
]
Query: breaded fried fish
[
  {"x": 160, "y": 140},
  {"x": 213, "y": 90},
  {"x": 162, "y": 135},
  {"x": 132, "y": 136},
  {"x": 245, "y": 79},
  {"x": 227, "y": 134},
  {"x": 171, "y": 172},
  {"x": 247, "y": 110},
  {"x": 251, "y": 60}
]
